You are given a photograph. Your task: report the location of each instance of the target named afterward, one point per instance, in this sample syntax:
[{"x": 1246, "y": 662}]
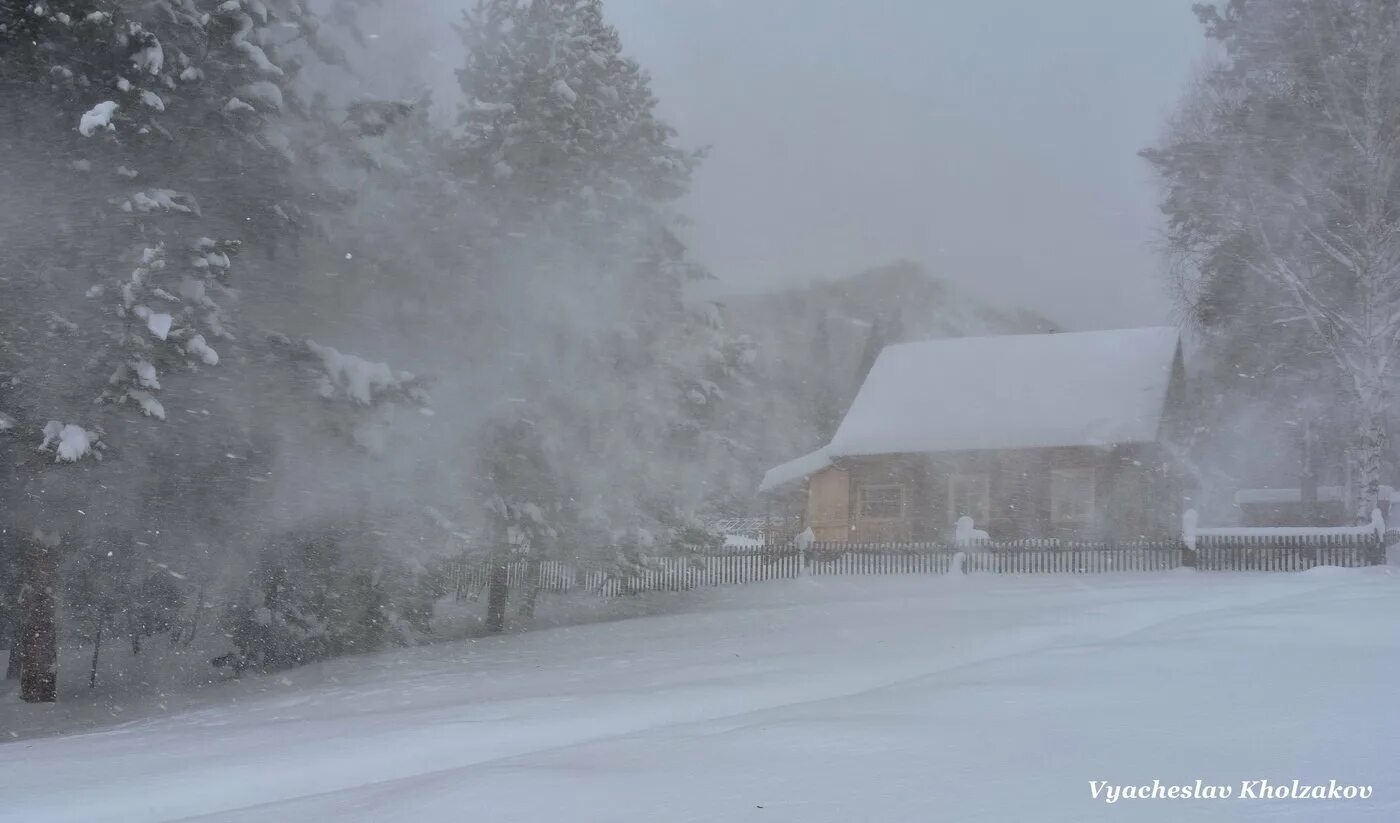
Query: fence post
[
  {"x": 1188, "y": 538},
  {"x": 803, "y": 540}
]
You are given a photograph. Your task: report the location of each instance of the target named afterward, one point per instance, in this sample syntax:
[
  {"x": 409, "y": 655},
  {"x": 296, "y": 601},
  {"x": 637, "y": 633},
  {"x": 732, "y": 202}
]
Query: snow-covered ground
[{"x": 981, "y": 698}]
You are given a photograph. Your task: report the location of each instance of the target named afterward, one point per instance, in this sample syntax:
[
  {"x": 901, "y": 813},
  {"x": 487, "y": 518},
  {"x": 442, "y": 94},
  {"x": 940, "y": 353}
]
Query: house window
[
  {"x": 969, "y": 495},
  {"x": 1072, "y": 496},
  {"x": 882, "y": 502}
]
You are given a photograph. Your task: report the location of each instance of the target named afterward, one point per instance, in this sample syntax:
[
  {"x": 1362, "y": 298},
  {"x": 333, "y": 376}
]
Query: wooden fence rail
[
  {"x": 1286, "y": 553},
  {"x": 773, "y": 561}
]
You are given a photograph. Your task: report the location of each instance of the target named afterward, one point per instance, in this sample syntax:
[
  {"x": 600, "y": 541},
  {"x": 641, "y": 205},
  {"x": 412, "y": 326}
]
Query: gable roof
[{"x": 1004, "y": 392}]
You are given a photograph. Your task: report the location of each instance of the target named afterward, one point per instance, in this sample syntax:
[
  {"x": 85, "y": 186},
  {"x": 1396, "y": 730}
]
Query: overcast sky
[{"x": 993, "y": 140}]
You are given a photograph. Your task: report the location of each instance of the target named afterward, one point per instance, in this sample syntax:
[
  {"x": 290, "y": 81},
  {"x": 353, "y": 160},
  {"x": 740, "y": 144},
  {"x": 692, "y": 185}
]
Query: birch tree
[{"x": 1281, "y": 170}]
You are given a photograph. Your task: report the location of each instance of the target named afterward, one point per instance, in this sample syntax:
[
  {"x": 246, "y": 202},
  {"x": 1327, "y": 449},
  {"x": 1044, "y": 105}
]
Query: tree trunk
[
  {"x": 96, "y": 652},
  {"x": 13, "y": 623},
  {"x": 15, "y": 642},
  {"x": 531, "y": 594},
  {"x": 497, "y": 591},
  {"x": 39, "y": 648},
  {"x": 1370, "y": 448},
  {"x": 1307, "y": 475},
  {"x": 133, "y": 629},
  {"x": 194, "y": 618}
]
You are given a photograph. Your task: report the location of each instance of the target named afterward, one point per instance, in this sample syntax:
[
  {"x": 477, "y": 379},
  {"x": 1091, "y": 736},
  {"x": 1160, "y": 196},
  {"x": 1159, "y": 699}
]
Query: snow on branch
[
  {"x": 354, "y": 379},
  {"x": 158, "y": 200},
  {"x": 98, "y": 118},
  {"x": 70, "y": 442},
  {"x": 364, "y": 393},
  {"x": 359, "y": 380}
]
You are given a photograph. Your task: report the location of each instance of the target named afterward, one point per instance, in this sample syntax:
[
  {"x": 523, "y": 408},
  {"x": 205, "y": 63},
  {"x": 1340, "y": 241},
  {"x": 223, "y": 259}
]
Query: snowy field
[{"x": 918, "y": 699}]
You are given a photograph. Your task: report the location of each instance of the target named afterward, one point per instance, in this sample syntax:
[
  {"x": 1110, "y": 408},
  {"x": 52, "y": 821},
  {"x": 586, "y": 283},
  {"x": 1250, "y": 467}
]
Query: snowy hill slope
[{"x": 881, "y": 699}]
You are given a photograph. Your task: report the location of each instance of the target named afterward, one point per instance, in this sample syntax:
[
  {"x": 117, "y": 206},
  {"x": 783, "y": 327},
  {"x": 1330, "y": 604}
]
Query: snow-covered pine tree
[
  {"x": 621, "y": 375},
  {"x": 160, "y": 131},
  {"x": 131, "y": 103}
]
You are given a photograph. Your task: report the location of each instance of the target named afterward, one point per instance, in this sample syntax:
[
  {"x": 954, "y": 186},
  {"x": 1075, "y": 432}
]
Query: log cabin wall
[
  {"x": 829, "y": 504},
  {"x": 1134, "y": 494}
]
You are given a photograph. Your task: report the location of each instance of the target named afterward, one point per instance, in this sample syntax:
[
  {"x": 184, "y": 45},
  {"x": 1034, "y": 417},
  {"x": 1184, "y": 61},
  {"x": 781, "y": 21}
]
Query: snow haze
[
  {"x": 996, "y": 142},
  {"x": 681, "y": 410}
]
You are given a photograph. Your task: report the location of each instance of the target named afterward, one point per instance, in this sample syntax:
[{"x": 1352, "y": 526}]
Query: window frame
[{"x": 864, "y": 488}]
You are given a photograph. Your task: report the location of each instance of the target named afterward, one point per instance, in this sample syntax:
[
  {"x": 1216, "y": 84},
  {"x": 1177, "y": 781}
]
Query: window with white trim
[
  {"x": 1072, "y": 496},
  {"x": 884, "y": 502},
  {"x": 969, "y": 495}
]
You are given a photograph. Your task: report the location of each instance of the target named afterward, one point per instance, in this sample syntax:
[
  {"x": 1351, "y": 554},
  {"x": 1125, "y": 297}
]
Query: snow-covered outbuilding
[
  {"x": 1032, "y": 435},
  {"x": 1287, "y": 506}
]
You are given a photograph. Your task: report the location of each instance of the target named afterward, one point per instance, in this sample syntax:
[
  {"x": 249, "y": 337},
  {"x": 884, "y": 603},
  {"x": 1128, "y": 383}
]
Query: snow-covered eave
[
  {"x": 1103, "y": 445},
  {"x": 809, "y": 464},
  {"x": 797, "y": 469}
]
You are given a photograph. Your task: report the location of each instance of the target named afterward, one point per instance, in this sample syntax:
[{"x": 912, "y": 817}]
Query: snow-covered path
[{"x": 883, "y": 699}]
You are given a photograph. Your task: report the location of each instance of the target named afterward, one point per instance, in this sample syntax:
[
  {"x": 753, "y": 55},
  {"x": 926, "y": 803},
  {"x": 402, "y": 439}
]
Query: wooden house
[{"x": 1035, "y": 435}]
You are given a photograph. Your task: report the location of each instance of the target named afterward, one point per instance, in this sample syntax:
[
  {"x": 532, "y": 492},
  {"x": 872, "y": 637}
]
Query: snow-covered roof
[
  {"x": 1004, "y": 392},
  {"x": 1012, "y": 392},
  {"x": 795, "y": 469}
]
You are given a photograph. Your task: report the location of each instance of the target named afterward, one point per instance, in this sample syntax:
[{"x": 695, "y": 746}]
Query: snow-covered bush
[{"x": 322, "y": 594}]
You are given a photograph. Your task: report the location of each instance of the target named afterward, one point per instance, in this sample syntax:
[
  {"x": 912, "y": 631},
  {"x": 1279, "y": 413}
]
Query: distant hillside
[{"x": 815, "y": 343}]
